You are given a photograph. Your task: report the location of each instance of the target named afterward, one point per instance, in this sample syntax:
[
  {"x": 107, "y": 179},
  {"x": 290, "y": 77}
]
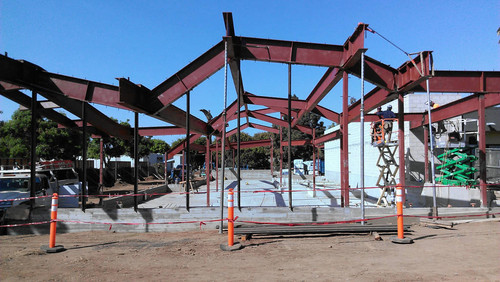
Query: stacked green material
[{"x": 457, "y": 167}]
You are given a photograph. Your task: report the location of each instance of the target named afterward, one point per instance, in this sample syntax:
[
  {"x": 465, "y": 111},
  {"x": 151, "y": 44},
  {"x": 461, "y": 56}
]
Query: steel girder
[
  {"x": 68, "y": 90},
  {"x": 453, "y": 109},
  {"x": 462, "y": 81},
  {"x": 182, "y": 145}
]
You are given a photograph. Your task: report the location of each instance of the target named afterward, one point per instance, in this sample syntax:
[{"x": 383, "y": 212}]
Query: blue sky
[{"x": 149, "y": 41}]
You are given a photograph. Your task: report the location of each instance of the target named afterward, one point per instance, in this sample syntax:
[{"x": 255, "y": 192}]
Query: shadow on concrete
[
  {"x": 232, "y": 185},
  {"x": 147, "y": 215},
  {"x": 280, "y": 202}
]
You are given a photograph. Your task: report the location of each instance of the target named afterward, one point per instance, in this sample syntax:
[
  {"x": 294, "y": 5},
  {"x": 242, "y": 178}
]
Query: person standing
[{"x": 388, "y": 117}]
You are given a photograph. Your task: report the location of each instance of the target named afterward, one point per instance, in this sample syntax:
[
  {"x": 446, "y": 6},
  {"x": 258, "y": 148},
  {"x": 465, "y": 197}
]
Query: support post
[
  {"x": 216, "y": 165},
  {"x": 271, "y": 155},
  {"x": 481, "y": 113},
  {"x": 362, "y": 137},
  {"x": 183, "y": 161},
  {"x": 238, "y": 135},
  {"x": 426, "y": 153},
  {"x": 207, "y": 169},
  {"x": 290, "y": 136},
  {"x": 166, "y": 171},
  {"x": 84, "y": 156},
  {"x": 188, "y": 163},
  {"x": 101, "y": 165},
  {"x": 431, "y": 137},
  {"x": 281, "y": 153},
  {"x": 33, "y": 128},
  {"x": 344, "y": 173},
  {"x": 401, "y": 141},
  {"x": 136, "y": 159},
  {"x": 314, "y": 161},
  {"x": 224, "y": 116}
]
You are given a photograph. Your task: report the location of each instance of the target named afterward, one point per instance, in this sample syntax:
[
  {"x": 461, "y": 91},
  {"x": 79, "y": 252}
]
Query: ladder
[{"x": 388, "y": 168}]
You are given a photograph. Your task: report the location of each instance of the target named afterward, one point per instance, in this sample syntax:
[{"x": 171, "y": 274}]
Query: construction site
[{"x": 420, "y": 144}]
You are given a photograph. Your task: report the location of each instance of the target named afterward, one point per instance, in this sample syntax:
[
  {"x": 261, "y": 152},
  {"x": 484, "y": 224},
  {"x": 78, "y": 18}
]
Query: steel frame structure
[{"x": 75, "y": 94}]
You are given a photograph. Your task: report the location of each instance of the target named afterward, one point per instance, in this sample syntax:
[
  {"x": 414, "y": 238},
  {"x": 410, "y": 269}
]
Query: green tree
[
  {"x": 52, "y": 142},
  {"x": 159, "y": 146}
]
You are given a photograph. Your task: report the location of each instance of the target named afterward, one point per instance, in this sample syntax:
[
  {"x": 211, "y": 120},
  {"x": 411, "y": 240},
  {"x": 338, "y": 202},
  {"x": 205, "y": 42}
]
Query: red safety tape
[
  {"x": 27, "y": 198},
  {"x": 26, "y": 224},
  {"x": 254, "y": 191},
  {"x": 317, "y": 223},
  {"x": 203, "y": 222}
]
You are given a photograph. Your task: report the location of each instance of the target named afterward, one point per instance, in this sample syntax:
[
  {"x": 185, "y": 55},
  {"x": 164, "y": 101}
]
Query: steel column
[
  {"x": 481, "y": 113},
  {"x": 362, "y": 137},
  {"x": 223, "y": 161},
  {"x": 314, "y": 162},
  {"x": 290, "y": 136},
  {"x": 344, "y": 169},
  {"x": 216, "y": 165},
  {"x": 101, "y": 165},
  {"x": 84, "y": 156},
  {"x": 188, "y": 159},
  {"x": 166, "y": 172},
  {"x": 431, "y": 138},
  {"x": 401, "y": 141},
  {"x": 183, "y": 163},
  {"x": 33, "y": 148},
  {"x": 426, "y": 153},
  {"x": 271, "y": 155},
  {"x": 238, "y": 136},
  {"x": 136, "y": 159},
  {"x": 281, "y": 154},
  {"x": 208, "y": 162}
]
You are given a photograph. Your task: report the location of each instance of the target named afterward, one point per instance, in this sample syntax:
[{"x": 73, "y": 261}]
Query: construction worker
[
  {"x": 376, "y": 125},
  {"x": 440, "y": 128},
  {"x": 388, "y": 117}
]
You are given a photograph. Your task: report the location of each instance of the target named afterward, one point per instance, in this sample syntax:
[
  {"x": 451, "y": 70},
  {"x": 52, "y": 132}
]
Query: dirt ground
[{"x": 467, "y": 252}]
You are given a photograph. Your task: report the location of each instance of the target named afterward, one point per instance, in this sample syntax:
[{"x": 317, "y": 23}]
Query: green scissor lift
[{"x": 457, "y": 167}]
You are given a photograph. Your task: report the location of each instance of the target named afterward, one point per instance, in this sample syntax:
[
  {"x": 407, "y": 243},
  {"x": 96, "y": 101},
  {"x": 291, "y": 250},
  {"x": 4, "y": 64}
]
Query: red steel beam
[
  {"x": 331, "y": 77},
  {"x": 327, "y": 137},
  {"x": 265, "y": 128},
  {"x": 244, "y": 144},
  {"x": 191, "y": 75},
  {"x": 279, "y": 122},
  {"x": 182, "y": 145},
  {"x": 296, "y": 143},
  {"x": 462, "y": 82},
  {"x": 273, "y": 101},
  {"x": 162, "y": 131},
  {"x": 234, "y": 131},
  {"x": 376, "y": 73},
  {"x": 140, "y": 99},
  {"x": 326, "y": 113},
  {"x": 453, "y": 109}
]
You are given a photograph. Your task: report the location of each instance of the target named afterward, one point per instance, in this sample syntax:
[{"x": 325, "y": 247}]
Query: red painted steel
[
  {"x": 265, "y": 128},
  {"x": 207, "y": 168},
  {"x": 453, "y": 109},
  {"x": 401, "y": 142},
  {"x": 191, "y": 75},
  {"x": 323, "y": 87},
  {"x": 481, "y": 111},
  {"x": 326, "y": 113},
  {"x": 344, "y": 157},
  {"x": 161, "y": 131},
  {"x": 463, "y": 81},
  {"x": 273, "y": 102}
]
